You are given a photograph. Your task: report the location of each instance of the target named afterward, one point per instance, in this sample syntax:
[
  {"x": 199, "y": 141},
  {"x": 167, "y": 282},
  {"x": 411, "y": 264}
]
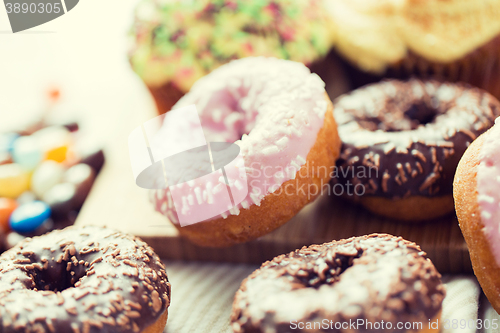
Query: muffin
[{"x": 453, "y": 40}]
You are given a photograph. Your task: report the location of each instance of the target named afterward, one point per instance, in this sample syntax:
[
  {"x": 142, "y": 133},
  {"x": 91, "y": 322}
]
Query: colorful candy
[
  {"x": 26, "y": 197},
  {"x": 55, "y": 142},
  {"x": 7, "y": 141},
  {"x": 14, "y": 180},
  {"x": 12, "y": 239},
  {"x": 61, "y": 199},
  {"x": 48, "y": 174},
  {"x": 28, "y": 217},
  {"x": 82, "y": 176},
  {"x": 27, "y": 152},
  {"x": 7, "y": 206},
  {"x": 43, "y": 161}
]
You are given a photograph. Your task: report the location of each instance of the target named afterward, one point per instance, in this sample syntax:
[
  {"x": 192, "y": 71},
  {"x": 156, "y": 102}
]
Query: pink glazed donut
[
  {"x": 477, "y": 203},
  {"x": 279, "y": 115}
]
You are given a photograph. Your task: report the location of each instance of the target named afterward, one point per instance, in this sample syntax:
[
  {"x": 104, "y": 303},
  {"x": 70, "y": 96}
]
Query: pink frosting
[
  {"x": 281, "y": 106},
  {"x": 488, "y": 185}
]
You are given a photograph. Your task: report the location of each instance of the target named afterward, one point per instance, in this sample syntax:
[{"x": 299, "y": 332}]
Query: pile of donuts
[
  {"x": 412, "y": 132},
  {"x": 93, "y": 279},
  {"x": 408, "y": 146},
  {"x": 424, "y": 148},
  {"x": 400, "y": 141},
  {"x": 46, "y": 172}
]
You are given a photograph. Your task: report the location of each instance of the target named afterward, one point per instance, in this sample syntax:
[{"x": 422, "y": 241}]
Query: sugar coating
[
  {"x": 82, "y": 279},
  {"x": 273, "y": 110},
  {"x": 340, "y": 281},
  {"x": 488, "y": 183},
  {"x": 179, "y": 42}
]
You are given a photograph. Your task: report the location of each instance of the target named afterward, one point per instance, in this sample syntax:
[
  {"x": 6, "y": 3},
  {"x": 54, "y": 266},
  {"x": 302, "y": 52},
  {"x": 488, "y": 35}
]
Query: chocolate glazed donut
[
  {"x": 402, "y": 142},
  {"x": 83, "y": 280},
  {"x": 320, "y": 288}
]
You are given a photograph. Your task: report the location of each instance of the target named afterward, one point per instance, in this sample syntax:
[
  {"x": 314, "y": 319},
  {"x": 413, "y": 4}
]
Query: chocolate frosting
[
  {"x": 374, "y": 278},
  {"x": 404, "y": 138},
  {"x": 81, "y": 280}
]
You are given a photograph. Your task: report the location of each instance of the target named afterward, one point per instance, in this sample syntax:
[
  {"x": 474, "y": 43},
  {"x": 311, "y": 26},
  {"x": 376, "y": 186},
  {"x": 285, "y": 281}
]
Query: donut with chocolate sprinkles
[
  {"x": 364, "y": 280},
  {"x": 402, "y": 141},
  {"x": 83, "y": 280}
]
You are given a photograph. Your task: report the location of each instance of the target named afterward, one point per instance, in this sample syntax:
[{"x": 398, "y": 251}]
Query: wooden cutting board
[{"x": 117, "y": 202}]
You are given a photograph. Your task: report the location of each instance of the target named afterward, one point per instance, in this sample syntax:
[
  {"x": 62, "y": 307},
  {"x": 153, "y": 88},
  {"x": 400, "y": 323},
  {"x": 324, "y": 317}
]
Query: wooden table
[{"x": 84, "y": 53}]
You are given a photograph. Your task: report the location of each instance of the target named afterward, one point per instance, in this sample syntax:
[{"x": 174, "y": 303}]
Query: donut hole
[
  {"x": 398, "y": 118},
  {"x": 229, "y": 118},
  {"x": 421, "y": 114},
  {"x": 57, "y": 278},
  {"x": 336, "y": 264}
]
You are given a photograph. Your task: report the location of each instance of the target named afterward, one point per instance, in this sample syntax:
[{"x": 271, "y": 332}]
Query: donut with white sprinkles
[
  {"x": 402, "y": 141},
  {"x": 367, "y": 280}
]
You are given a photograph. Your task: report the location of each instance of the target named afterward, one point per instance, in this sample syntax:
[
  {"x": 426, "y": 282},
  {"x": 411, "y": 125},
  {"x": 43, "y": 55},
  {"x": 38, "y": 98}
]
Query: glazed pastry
[
  {"x": 456, "y": 40},
  {"x": 402, "y": 142},
  {"x": 89, "y": 279},
  {"x": 177, "y": 42},
  {"x": 477, "y": 201},
  {"x": 361, "y": 280},
  {"x": 279, "y": 115}
]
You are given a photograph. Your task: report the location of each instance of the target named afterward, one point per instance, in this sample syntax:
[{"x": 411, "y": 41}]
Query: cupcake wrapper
[
  {"x": 480, "y": 68},
  {"x": 166, "y": 96},
  {"x": 332, "y": 72}
]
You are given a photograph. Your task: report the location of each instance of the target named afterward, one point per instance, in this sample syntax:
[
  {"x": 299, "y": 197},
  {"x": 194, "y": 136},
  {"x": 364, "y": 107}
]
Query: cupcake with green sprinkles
[{"x": 174, "y": 43}]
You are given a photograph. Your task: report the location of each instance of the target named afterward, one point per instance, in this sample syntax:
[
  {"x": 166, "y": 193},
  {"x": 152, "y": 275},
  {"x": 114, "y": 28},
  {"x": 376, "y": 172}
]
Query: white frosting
[{"x": 281, "y": 106}]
